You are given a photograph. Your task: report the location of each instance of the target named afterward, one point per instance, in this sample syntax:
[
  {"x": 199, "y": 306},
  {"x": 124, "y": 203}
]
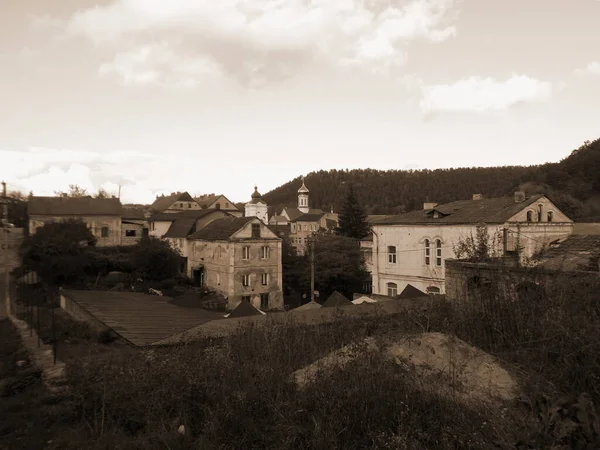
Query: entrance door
[{"x": 198, "y": 276}]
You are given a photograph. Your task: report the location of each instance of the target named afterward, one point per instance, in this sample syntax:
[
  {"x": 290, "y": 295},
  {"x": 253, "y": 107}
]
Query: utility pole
[
  {"x": 5, "y": 249},
  {"x": 312, "y": 269}
]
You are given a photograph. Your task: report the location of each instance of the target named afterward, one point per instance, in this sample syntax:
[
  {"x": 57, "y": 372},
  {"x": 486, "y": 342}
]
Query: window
[
  {"x": 392, "y": 289},
  {"x": 256, "y": 230},
  {"x": 189, "y": 205},
  {"x": 433, "y": 290},
  {"x": 293, "y": 228},
  {"x": 246, "y": 298},
  {"x": 246, "y": 280},
  {"x": 217, "y": 206},
  {"x": 427, "y": 252},
  {"x": 246, "y": 253},
  {"x": 305, "y": 227},
  {"x": 152, "y": 226},
  {"x": 264, "y": 301},
  {"x": 529, "y": 216},
  {"x": 391, "y": 254},
  {"x": 264, "y": 252},
  {"x": 550, "y": 216},
  {"x": 218, "y": 278},
  {"x": 539, "y": 213},
  {"x": 220, "y": 252},
  {"x": 104, "y": 232},
  {"x": 130, "y": 233},
  {"x": 438, "y": 252},
  {"x": 145, "y": 232},
  {"x": 264, "y": 279}
]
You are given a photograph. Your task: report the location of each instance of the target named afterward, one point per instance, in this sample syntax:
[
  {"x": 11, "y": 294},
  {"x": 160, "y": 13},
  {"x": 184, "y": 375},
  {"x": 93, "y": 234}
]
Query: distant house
[
  {"x": 218, "y": 201},
  {"x": 257, "y": 207},
  {"x": 102, "y": 215},
  {"x": 412, "y": 248},
  {"x": 176, "y": 202},
  {"x": 134, "y": 226},
  {"x": 239, "y": 257}
]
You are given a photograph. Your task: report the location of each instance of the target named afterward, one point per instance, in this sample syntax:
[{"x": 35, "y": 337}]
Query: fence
[{"x": 35, "y": 304}]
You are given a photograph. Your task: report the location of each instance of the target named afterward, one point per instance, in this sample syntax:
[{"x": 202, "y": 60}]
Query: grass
[{"x": 234, "y": 393}]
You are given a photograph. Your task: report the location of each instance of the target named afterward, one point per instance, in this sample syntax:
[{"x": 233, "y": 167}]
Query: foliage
[
  {"x": 155, "y": 260},
  {"x": 573, "y": 183},
  {"x": 353, "y": 219},
  {"x": 479, "y": 248},
  {"x": 296, "y": 277},
  {"x": 74, "y": 191},
  {"x": 58, "y": 251}
]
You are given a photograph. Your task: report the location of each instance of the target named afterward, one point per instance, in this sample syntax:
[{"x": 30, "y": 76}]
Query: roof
[
  {"x": 187, "y": 214},
  {"x": 488, "y": 210},
  {"x": 336, "y": 299},
  {"x": 577, "y": 252},
  {"x": 280, "y": 230},
  {"x": 310, "y": 217},
  {"x": 74, "y": 206},
  {"x": 412, "y": 292},
  {"x": 372, "y": 218},
  {"x": 255, "y": 194},
  {"x": 221, "y": 229},
  {"x": 244, "y": 309},
  {"x": 180, "y": 228},
  {"x": 279, "y": 219},
  {"x": 165, "y": 201},
  {"x": 368, "y": 238},
  {"x": 307, "y": 306},
  {"x": 133, "y": 213},
  {"x": 303, "y": 189},
  {"x": 295, "y": 213}
]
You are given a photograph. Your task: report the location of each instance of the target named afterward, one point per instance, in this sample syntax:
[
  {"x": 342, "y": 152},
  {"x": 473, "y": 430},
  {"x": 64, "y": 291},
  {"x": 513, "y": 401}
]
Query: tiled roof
[
  {"x": 74, "y": 206},
  {"x": 373, "y": 218},
  {"x": 180, "y": 228},
  {"x": 187, "y": 214},
  {"x": 336, "y": 299},
  {"x": 488, "y": 210},
  {"x": 208, "y": 200},
  {"x": 164, "y": 202},
  {"x": 132, "y": 213},
  {"x": 412, "y": 292},
  {"x": 221, "y": 229},
  {"x": 577, "y": 252},
  {"x": 310, "y": 217}
]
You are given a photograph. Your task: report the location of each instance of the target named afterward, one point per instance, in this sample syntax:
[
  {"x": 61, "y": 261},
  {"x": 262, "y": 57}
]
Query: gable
[
  {"x": 245, "y": 232},
  {"x": 547, "y": 205}
]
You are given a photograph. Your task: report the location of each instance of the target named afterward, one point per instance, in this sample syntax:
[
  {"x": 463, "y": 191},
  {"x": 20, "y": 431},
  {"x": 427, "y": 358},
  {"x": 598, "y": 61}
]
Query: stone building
[
  {"x": 239, "y": 258},
  {"x": 102, "y": 215},
  {"x": 411, "y": 248}
]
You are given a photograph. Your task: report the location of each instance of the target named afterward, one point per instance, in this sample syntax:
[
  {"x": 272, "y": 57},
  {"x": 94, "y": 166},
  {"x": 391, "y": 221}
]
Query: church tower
[
  {"x": 303, "y": 198},
  {"x": 257, "y": 207}
]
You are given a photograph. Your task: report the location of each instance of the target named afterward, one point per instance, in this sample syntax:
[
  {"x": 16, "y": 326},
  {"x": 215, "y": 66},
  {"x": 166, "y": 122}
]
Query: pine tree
[{"x": 353, "y": 219}]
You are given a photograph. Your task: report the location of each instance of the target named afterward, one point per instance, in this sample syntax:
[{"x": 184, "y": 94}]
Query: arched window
[
  {"x": 550, "y": 216},
  {"x": 392, "y": 289},
  {"x": 391, "y": 254},
  {"x": 438, "y": 252},
  {"x": 540, "y": 212},
  {"x": 529, "y": 216},
  {"x": 427, "y": 252}
]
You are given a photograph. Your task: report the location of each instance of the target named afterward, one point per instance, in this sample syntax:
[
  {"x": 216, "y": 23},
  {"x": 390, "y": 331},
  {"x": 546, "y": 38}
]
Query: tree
[
  {"x": 58, "y": 252},
  {"x": 102, "y": 193},
  {"x": 296, "y": 273},
  {"x": 353, "y": 219},
  {"x": 74, "y": 191},
  {"x": 155, "y": 260}
]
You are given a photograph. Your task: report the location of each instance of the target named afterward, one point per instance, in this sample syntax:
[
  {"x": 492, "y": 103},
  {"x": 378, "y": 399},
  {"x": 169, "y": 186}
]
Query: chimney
[
  {"x": 429, "y": 205},
  {"x": 519, "y": 196},
  {"x": 477, "y": 196}
]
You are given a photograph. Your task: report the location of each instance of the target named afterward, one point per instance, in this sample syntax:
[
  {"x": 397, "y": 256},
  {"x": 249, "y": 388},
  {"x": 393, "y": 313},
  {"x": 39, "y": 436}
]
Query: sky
[{"x": 212, "y": 96}]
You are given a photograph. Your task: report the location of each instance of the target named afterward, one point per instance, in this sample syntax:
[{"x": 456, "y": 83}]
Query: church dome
[
  {"x": 303, "y": 189},
  {"x": 255, "y": 194}
]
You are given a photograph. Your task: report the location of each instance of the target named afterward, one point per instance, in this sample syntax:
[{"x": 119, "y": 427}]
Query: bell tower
[{"x": 303, "y": 198}]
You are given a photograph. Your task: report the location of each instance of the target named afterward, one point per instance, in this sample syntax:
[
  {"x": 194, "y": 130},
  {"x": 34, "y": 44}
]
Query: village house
[
  {"x": 304, "y": 221},
  {"x": 102, "y": 215},
  {"x": 134, "y": 226},
  {"x": 240, "y": 258},
  {"x": 218, "y": 201},
  {"x": 257, "y": 207},
  {"x": 176, "y": 202},
  {"x": 411, "y": 248}
]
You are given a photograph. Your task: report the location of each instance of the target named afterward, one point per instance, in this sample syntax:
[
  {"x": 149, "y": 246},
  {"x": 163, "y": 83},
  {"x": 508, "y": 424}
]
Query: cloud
[
  {"x": 592, "y": 68},
  {"x": 479, "y": 94},
  {"x": 264, "y": 39}
]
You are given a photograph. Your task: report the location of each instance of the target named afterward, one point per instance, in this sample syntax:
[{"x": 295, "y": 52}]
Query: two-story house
[
  {"x": 218, "y": 201},
  {"x": 176, "y": 202},
  {"x": 239, "y": 257},
  {"x": 411, "y": 248},
  {"x": 102, "y": 215}
]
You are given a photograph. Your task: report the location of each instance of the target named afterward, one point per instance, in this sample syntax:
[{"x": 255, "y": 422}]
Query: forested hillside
[{"x": 574, "y": 183}]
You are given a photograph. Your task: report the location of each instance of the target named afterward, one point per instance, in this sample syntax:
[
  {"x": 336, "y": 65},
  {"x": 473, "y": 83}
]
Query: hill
[{"x": 573, "y": 183}]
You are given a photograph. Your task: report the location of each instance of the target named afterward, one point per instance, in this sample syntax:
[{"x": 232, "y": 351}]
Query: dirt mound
[{"x": 438, "y": 362}]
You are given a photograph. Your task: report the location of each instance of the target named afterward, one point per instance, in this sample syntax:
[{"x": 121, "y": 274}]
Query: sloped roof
[
  {"x": 278, "y": 219},
  {"x": 164, "y": 202},
  {"x": 221, "y": 229},
  {"x": 180, "y": 228},
  {"x": 187, "y": 214},
  {"x": 293, "y": 213},
  {"x": 488, "y": 210},
  {"x": 412, "y": 292},
  {"x": 307, "y": 306},
  {"x": 280, "y": 230},
  {"x": 244, "y": 309},
  {"x": 373, "y": 218},
  {"x": 206, "y": 201},
  {"x": 336, "y": 299},
  {"x": 74, "y": 206},
  {"x": 310, "y": 217},
  {"x": 577, "y": 252},
  {"x": 132, "y": 213}
]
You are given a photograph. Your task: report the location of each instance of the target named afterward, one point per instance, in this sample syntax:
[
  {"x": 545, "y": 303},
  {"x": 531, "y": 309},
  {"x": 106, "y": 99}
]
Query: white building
[
  {"x": 257, "y": 207},
  {"x": 411, "y": 248}
]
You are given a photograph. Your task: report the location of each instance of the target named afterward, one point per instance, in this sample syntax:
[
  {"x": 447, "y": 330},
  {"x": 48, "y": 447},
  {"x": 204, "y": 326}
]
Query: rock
[{"x": 440, "y": 363}]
